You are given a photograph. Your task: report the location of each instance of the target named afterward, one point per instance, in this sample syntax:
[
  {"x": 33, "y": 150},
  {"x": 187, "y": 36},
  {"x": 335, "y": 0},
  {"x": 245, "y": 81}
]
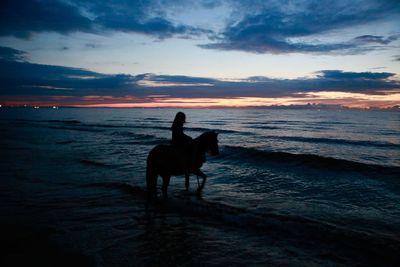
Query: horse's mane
[{"x": 205, "y": 134}]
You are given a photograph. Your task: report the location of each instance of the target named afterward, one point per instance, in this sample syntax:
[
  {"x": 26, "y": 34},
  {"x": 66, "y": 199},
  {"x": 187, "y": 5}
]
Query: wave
[
  {"x": 138, "y": 139},
  {"x": 81, "y": 129},
  {"x": 65, "y": 142},
  {"x": 94, "y": 163},
  {"x": 142, "y": 142},
  {"x": 389, "y": 133},
  {"x": 96, "y": 127},
  {"x": 330, "y": 122},
  {"x": 251, "y": 154},
  {"x": 268, "y": 126},
  {"x": 108, "y": 125},
  {"x": 278, "y": 228},
  {"x": 214, "y": 122},
  {"x": 167, "y": 128},
  {"x": 381, "y": 144},
  {"x": 63, "y": 121},
  {"x": 123, "y": 187},
  {"x": 134, "y": 135},
  {"x": 126, "y": 126},
  {"x": 265, "y": 127},
  {"x": 294, "y": 122},
  {"x": 272, "y": 122},
  {"x": 153, "y": 119},
  {"x": 51, "y": 121},
  {"x": 200, "y": 129}
]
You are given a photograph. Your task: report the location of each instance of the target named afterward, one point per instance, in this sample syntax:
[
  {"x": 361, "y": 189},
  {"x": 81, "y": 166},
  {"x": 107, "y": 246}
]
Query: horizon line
[{"x": 312, "y": 106}]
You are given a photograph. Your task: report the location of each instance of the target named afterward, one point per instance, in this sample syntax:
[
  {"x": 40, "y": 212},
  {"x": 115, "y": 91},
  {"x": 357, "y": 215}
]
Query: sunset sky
[{"x": 177, "y": 53}]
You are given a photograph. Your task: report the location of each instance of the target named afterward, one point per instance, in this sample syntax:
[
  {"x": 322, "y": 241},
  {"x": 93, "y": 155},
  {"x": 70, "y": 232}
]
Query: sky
[{"x": 181, "y": 53}]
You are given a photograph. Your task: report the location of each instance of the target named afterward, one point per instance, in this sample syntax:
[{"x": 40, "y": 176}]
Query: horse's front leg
[
  {"x": 200, "y": 173},
  {"x": 164, "y": 189},
  {"x": 187, "y": 175}
]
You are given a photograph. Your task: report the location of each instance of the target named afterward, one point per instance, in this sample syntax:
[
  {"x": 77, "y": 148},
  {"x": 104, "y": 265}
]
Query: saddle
[{"x": 189, "y": 152}]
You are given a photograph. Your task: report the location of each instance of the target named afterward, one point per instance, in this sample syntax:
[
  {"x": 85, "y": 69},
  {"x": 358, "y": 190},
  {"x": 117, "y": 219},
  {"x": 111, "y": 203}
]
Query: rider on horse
[
  {"x": 178, "y": 137},
  {"x": 185, "y": 156},
  {"x": 184, "y": 143}
]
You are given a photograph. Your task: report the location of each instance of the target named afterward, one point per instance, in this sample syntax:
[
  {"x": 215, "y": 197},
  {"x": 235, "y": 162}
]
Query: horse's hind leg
[
  {"x": 151, "y": 181},
  {"x": 151, "y": 191},
  {"x": 164, "y": 188},
  {"x": 187, "y": 175},
  {"x": 200, "y": 173}
]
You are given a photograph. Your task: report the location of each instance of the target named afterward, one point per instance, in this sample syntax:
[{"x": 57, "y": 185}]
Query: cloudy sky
[{"x": 160, "y": 53}]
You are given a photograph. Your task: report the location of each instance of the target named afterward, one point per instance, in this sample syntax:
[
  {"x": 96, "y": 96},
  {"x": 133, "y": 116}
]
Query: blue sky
[{"x": 286, "y": 52}]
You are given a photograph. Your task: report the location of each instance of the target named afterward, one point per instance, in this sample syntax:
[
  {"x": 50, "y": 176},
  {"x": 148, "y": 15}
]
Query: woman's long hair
[{"x": 180, "y": 118}]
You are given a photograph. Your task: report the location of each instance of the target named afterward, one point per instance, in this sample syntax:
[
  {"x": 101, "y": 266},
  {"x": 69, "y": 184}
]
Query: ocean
[{"x": 289, "y": 188}]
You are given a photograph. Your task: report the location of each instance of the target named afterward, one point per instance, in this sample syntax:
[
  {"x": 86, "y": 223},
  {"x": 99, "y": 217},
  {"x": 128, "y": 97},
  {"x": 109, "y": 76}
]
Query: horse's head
[{"x": 212, "y": 142}]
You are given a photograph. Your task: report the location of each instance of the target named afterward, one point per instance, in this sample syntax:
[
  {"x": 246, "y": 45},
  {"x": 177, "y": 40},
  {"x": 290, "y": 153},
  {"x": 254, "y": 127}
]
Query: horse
[{"x": 168, "y": 160}]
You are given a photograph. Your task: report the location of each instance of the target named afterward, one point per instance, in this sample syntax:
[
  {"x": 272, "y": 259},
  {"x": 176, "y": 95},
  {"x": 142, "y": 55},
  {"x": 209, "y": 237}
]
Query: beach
[{"x": 289, "y": 188}]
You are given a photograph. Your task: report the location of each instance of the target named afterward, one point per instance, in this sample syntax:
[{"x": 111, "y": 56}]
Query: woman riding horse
[
  {"x": 168, "y": 160},
  {"x": 182, "y": 141},
  {"x": 178, "y": 136}
]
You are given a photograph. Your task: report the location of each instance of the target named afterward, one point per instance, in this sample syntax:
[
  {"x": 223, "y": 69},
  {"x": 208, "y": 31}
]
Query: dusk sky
[{"x": 158, "y": 53}]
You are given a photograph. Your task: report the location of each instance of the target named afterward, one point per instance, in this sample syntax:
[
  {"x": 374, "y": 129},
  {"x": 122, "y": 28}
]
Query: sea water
[{"x": 290, "y": 187}]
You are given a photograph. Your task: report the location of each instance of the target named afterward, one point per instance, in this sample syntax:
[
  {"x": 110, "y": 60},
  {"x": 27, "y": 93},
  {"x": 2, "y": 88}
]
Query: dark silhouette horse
[{"x": 168, "y": 160}]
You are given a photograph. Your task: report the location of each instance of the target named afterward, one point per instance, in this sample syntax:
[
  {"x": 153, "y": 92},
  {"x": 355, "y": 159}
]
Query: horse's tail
[{"x": 151, "y": 177}]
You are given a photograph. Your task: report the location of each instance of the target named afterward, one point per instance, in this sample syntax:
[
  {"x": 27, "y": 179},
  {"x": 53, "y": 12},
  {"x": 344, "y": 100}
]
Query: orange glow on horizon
[{"x": 352, "y": 100}]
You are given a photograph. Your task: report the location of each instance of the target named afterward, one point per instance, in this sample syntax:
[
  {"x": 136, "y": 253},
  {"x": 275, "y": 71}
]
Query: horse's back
[
  {"x": 162, "y": 150},
  {"x": 167, "y": 158}
]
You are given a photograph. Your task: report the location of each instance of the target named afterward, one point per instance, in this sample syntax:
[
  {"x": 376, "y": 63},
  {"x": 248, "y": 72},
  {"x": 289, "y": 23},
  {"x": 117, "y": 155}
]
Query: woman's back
[{"x": 178, "y": 136}]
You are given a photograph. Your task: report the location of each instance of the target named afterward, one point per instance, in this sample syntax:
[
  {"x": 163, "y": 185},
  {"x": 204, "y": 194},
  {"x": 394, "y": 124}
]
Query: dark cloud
[
  {"x": 21, "y": 18},
  {"x": 159, "y": 27},
  {"x": 10, "y": 54},
  {"x": 23, "y": 79},
  {"x": 377, "y": 39},
  {"x": 292, "y": 26},
  {"x": 264, "y": 44},
  {"x": 340, "y": 75},
  {"x": 397, "y": 58},
  {"x": 176, "y": 79},
  {"x": 145, "y": 17},
  {"x": 255, "y": 26},
  {"x": 211, "y": 3}
]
